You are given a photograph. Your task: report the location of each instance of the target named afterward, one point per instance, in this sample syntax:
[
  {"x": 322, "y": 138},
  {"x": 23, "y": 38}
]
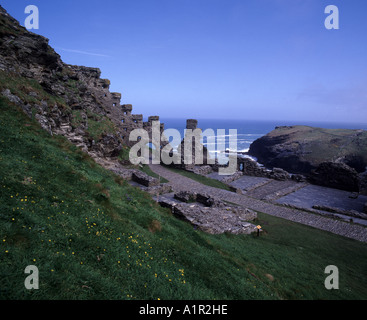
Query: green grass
[
  {"x": 93, "y": 236},
  {"x": 21, "y": 87},
  {"x": 99, "y": 127},
  {"x": 321, "y": 144},
  {"x": 202, "y": 179}
]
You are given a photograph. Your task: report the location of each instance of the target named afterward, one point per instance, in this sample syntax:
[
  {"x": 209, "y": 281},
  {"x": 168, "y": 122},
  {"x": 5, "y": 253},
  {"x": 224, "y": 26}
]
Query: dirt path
[{"x": 181, "y": 183}]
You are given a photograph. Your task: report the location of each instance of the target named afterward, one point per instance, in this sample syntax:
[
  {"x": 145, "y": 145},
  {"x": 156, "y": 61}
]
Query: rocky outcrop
[
  {"x": 68, "y": 100},
  {"x": 336, "y": 175},
  {"x": 329, "y": 157},
  {"x": 301, "y": 149},
  {"x": 363, "y": 183}
]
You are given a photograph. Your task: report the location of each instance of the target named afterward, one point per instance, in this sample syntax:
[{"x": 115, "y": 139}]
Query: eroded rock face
[
  {"x": 67, "y": 100},
  {"x": 363, "y": 181},
  {"x": 336, "y": 175},
  {"x": 301, "y": 149}
]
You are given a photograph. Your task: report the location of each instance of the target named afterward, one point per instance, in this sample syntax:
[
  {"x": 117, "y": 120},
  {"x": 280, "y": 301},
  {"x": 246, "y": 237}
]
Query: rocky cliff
[
  {"x": 331, "y": 157},
  {"x": 73, "y": 101}
]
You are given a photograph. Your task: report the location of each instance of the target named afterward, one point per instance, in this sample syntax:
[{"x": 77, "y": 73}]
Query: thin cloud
[{"x": 85, "y": 53}]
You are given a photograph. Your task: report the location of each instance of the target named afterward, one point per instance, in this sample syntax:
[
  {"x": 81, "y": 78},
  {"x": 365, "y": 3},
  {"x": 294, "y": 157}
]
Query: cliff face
[
  {"x": 69, "y": 100},
  {"x": 331, "y": 157}
]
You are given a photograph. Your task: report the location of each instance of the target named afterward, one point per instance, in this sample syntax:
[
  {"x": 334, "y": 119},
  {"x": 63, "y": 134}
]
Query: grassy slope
[{"x": 93, "y": 236}]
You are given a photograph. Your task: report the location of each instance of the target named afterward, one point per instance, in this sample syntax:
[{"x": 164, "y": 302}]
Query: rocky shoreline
[{"x": 335, "y": 158}]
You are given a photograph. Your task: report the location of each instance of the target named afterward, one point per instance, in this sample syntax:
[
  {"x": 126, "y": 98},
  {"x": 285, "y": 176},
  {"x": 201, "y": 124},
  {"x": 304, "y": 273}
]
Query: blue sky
[{"x": 231, "y": 59}]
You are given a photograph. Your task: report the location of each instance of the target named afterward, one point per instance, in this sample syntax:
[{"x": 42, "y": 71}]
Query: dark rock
[
  {"x": 298, "y": 177},
  {"x": 336, "y": 175},
  {"x": 363, "y": 181},
  {"x": 301, "y": 149},
  {"x": 145, "y": 180},
  {"x": 185, "y": 196}
]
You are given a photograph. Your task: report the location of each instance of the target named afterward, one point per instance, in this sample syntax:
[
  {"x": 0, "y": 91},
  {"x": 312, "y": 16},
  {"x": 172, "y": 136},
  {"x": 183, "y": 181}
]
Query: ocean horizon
[{"x": 250, "y": 130}]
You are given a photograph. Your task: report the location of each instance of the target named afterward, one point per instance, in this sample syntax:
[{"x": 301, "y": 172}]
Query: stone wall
[{"x": 209, "y": 214}]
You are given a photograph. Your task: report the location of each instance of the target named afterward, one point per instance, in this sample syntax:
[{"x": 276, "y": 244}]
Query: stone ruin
[
  {"x": 122, "y": 115},
  {"x": 209, "y": 214},
  {"x": 196, "y": 148}
]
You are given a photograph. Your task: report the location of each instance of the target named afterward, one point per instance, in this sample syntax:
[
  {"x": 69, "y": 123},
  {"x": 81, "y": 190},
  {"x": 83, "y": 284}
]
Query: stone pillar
[
  {"x": 127, "y": 108},
  {"x": 191, "y": 124},
  {"x": 116, "y": 98},
  {"x": 153, "y": 118}
]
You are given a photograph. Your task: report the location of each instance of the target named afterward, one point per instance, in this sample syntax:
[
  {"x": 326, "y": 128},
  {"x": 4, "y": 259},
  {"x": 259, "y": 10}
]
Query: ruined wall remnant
[
  {"x": 193, "y": 152},
  {"x": 191, "y": 124}
]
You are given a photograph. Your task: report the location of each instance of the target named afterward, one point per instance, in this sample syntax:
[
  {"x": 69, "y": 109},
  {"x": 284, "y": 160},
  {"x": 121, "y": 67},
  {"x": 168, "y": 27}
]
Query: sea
[{"x": 247, "y": 131}]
